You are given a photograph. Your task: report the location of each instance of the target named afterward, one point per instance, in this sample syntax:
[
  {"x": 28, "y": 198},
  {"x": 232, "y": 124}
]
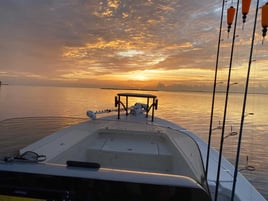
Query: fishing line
[
  {"x": 250, "y": 113},
  {"x": 226, "y": 106},
  {"x": 244, "y": 105},
  {"x": 214, "y": 90},
  {"x": 250, "y": 147}
]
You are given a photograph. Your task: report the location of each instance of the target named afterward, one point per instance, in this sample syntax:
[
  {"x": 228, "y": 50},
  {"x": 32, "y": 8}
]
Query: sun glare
[
  {"x": 139, "y": 77},
  {"x": 143, "y": 75}
]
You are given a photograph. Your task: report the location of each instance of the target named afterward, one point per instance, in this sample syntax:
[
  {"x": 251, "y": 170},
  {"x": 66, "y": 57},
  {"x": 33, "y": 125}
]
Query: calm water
[{"x": 188, "y": 109}]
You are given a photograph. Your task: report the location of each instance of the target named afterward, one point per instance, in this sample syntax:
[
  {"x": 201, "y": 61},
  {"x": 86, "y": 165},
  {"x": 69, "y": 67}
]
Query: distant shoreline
[
  {"x": 115, "y": 88},
  {"x": 141, "y": 89}
]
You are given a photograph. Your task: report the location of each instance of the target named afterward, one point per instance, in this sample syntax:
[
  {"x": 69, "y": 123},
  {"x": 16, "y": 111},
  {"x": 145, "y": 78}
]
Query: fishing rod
[
  {"x": 226, "y": 105},
  {"x": 214, "y": 90},
  {"x": 244, "y": 104}
]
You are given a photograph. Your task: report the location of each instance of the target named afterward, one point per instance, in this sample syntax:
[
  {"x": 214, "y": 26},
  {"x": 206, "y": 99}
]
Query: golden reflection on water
[{"x": 190, "y": 110}]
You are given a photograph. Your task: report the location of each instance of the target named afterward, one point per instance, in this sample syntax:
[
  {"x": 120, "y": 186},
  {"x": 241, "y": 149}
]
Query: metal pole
[
  {"x": 226, "y": 106},
  {"x": 244, "y": 105},
  {"x": 214, "y": 90}
]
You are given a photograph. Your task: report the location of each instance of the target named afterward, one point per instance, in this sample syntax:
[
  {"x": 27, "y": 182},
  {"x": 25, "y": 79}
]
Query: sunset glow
[{"x": 167, "y": 44}]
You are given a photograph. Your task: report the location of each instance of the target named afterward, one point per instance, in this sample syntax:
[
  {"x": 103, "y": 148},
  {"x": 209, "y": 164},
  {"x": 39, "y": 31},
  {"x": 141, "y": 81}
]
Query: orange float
[
  {"x": 245, "y": 9},
  {"x": 264, "y": 19},
  {"x": 230, "y": 17}
]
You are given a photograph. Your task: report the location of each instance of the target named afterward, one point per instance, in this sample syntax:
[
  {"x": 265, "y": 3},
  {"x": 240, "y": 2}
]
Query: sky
[{"x": 152, "y": 44}]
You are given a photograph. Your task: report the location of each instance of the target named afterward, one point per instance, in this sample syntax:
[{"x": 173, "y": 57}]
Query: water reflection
[
  {"x": 189, "y": 109},
  {"x": 17, "y": 133}
]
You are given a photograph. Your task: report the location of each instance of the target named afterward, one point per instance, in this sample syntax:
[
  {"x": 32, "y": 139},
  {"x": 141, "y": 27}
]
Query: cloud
[{"x": 104, "y": 40}]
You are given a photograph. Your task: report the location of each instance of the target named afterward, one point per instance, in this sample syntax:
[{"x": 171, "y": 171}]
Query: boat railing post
[
  {"x": 119, "y": 103},
  {"x": 153, "y": 109},
  {"x": 148, "y": 108},
  {"x": 126, "y": 105}
]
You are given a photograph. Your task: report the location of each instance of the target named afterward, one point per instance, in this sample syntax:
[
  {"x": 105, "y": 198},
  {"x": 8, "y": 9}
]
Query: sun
[
  {"x": 139, "y": 77},
  {"x": 143, "y": 75}
]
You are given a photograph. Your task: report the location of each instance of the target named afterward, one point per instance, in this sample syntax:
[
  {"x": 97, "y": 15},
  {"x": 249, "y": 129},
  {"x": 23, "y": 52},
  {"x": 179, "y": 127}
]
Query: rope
[{"x": 28, "y": 156}]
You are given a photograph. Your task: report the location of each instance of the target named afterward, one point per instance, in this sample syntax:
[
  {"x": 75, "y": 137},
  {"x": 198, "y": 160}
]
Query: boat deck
[
  {"x": 142, "y": 151},
  {"x": 124, "y": 145}
]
